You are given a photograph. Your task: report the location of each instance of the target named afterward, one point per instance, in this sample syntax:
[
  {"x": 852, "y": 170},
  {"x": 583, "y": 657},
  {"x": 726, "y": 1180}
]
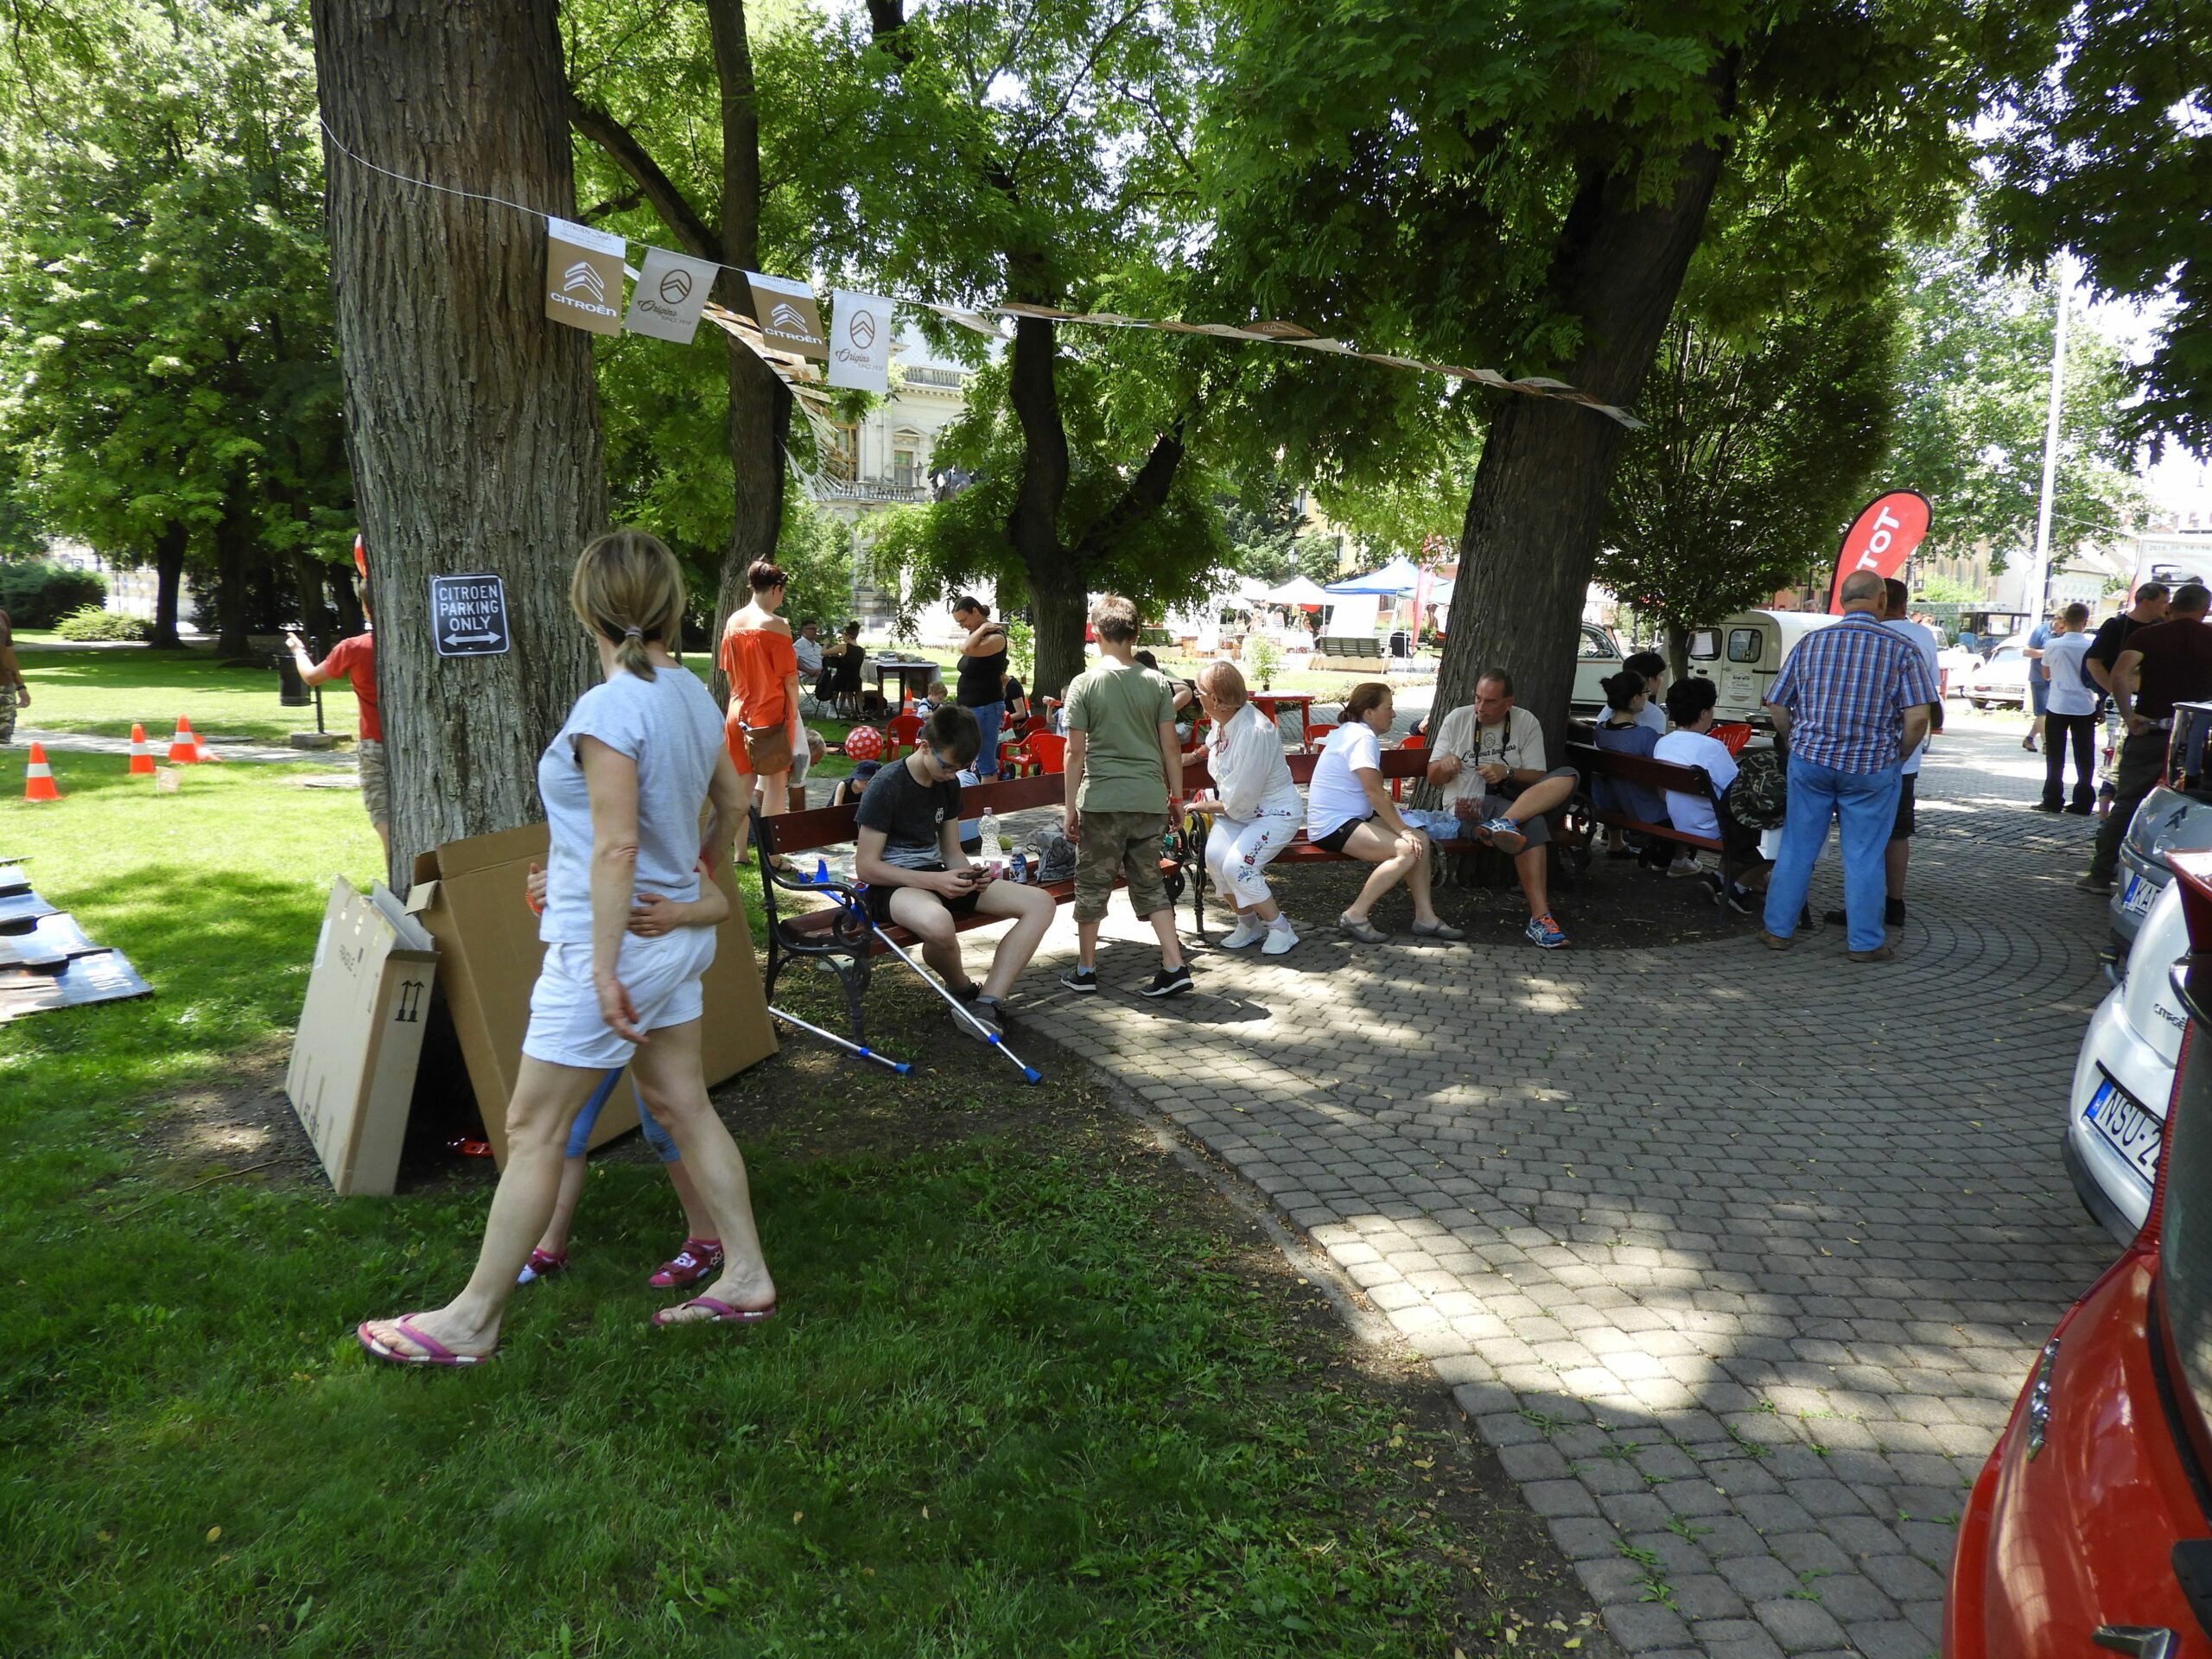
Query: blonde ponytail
[{"x": 628, "y": 589}]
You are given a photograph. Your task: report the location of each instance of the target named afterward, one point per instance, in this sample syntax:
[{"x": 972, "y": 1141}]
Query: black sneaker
[
  {"x": 1082, "y": 981},
  {"x": 1168, "y": 981}
]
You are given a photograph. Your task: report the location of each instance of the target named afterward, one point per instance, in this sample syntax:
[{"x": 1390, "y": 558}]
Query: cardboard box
[
  {"x": 469, "y": 895},
  {"x": 353, "y": 1058}
]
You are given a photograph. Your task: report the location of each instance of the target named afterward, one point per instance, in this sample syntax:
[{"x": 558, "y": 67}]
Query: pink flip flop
[
  {"x": 722, "y": 1311},
  {"x": 434, "y": 1352}
]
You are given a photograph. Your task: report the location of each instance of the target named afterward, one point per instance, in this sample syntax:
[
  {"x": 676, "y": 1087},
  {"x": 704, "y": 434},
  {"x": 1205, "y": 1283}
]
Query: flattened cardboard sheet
[{"x": 104, "y": 976}]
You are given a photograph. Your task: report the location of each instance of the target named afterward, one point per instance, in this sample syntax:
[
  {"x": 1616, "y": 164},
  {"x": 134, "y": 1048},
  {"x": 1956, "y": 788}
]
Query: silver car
[{"x": 2175, "y": 818}]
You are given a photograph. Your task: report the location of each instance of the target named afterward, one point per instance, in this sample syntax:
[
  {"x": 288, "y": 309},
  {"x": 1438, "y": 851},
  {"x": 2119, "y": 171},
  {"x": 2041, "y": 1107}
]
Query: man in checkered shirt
[{"x": 1854, "y": 702}]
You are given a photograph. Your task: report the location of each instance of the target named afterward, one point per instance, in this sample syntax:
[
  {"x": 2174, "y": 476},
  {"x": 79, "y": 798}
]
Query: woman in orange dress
[{"x": 762, "y": 729}]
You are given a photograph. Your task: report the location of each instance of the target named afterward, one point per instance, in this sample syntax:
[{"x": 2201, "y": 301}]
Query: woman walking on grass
[{"x": 623, "y": 784}]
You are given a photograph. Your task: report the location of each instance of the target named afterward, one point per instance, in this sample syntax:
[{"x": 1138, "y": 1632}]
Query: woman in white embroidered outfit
[{"x": 1255, "y": 807}]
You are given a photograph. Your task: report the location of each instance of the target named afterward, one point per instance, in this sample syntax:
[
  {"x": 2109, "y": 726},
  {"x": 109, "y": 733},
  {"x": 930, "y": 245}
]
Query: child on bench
[{"x": 917, "y": 878}]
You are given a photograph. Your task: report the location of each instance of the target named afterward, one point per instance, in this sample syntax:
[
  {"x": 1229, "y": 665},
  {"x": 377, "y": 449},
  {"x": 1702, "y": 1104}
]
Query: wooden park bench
[
  {"x": 1351, "y": 654},
  {"x": 1657, "y": 776}
]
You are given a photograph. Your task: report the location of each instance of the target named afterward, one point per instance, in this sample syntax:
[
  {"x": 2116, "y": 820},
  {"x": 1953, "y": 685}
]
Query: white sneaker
[
  {"x": 1280, "y": 939},
  {"x": 1246, "y": 932}
]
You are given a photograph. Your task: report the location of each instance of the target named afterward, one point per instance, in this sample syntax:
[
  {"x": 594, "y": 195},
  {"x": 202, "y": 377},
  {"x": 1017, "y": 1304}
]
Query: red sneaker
[{"x": 698, "y": 1258}]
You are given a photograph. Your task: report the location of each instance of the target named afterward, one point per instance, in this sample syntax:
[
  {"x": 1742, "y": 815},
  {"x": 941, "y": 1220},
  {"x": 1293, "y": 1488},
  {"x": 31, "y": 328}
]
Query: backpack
[
  {"x": 1055, "y": 855},
  {"x": 1757, "y": 798}
]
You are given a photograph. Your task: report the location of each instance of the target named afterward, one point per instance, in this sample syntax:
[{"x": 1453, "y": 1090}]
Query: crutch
[
  {"x": 902, "y": 1067},
  {"x": 1029, "y": 1073}
]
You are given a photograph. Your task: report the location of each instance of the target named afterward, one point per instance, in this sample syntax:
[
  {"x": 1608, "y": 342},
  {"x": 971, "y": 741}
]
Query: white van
[{"x": 1743, "y": 653}]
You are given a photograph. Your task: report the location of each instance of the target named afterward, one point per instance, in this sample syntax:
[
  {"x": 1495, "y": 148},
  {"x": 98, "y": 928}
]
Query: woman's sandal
[
  {"x": 434, "y": 1352},
  {"x": 719, "y": 1312}
]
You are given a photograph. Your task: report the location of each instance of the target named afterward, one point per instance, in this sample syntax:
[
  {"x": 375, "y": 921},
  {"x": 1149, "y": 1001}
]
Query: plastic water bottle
[{"x": 987, "y": 832}]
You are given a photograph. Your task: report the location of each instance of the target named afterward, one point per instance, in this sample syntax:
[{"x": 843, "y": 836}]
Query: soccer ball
[{"x": 864, "y": 743}]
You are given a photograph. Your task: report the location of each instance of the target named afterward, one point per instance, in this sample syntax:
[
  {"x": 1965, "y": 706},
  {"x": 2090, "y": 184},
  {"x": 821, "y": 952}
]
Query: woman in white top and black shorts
[
  {"x": 629, "y": 929},
  {"x": 1254, "y": 806},
  {"x": 1348, "y": 811}
]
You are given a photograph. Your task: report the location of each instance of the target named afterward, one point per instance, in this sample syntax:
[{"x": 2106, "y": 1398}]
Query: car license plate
[
  {"x": 2133, "y": 1132},
  {"x": 2135, "y": 898}
]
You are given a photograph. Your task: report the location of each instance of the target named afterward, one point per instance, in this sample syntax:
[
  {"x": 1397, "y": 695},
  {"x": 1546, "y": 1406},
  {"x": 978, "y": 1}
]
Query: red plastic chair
[
  {"x": 1733, "y": 732},
  {"x": 906, "y": 734},
  {"x": 1050, "y": 754}
]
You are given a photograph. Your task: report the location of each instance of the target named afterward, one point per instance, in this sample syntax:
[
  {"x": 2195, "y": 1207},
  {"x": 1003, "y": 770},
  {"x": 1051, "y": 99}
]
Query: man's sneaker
[
  {"x": 2095, "y": 884},
  {"x": 1503, "y": 834},
  {"x": 1543, "y": 932},
  {"x": 1246, "y": 932},
  {"x": 1168, "y": 981},
  {"x": 1279, "y": 939},
  {"x": 1082, "y": 981}
]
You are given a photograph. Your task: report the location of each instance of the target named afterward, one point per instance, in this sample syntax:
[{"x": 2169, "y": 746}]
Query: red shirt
[{"x": 356, "y": 658}]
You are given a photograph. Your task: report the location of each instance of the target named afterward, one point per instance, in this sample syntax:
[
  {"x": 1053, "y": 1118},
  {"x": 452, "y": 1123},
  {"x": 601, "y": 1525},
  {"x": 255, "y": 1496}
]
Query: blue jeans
[
  {"x": 988, "y": 716},
  {"x": 580, "y": 1133},
  {"x": 1864, "y": 805}
]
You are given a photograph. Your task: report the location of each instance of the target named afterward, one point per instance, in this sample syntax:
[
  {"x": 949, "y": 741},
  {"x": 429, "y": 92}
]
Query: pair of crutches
[{"x": 1029, "y": 1073}]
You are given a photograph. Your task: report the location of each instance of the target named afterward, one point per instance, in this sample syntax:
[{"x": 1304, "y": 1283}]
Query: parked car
[
  {"x": 2085, "y": 1532},
  {"x": 2002, "y": 676},
  {"x": 1743, "y": 652},
  {"x": 1598, "y": 657},
  {"x": 2124, "y": 1073},
  {"x": 2176, "y": 816}
]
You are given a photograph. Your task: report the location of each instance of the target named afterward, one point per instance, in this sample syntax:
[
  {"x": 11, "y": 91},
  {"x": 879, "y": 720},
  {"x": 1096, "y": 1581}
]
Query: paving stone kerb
[{"x": 1739, "y": 1257}]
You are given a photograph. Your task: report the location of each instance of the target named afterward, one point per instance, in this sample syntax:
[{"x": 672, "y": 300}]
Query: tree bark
[
  {"x": 1538, "y": 500},
  {"x": 472, "y": 420},
  {"x": 233, "y": 577},
  {"x": 168, "y": 582},
  {"x": 1056, "y": 583}
]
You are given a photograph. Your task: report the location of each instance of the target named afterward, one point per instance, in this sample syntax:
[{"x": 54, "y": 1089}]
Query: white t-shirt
[
  {"x": 1517, "y": 741},
  {"x": 1335, "y": 797},
  {"x": 1694, "y": 814},
  {"x": 1930, "y": 652},
  {"x": 2071, "y": 690},
  {"x": 671, "y": 728}
]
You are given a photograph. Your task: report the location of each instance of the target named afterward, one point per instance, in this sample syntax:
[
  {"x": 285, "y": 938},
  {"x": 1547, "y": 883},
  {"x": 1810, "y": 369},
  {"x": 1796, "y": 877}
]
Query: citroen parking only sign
[{"x": 468, "y": 616}]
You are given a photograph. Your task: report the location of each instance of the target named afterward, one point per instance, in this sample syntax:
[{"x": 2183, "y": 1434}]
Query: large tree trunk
[
  {"x": 473, "y": 421},
  {"x": 169, "y": 549},
  {"x": 233, "y": 580},
  {"x": 1056, "y": 583},
  {"x": 1538, "y": 501}
]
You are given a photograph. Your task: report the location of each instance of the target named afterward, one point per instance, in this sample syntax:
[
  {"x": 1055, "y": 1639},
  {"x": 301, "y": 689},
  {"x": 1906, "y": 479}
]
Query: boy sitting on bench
[{"x": 909, "y": 856}]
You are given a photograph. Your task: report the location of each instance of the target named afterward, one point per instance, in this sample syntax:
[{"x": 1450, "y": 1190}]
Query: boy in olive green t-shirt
[{"x": 1125, "y": 776}]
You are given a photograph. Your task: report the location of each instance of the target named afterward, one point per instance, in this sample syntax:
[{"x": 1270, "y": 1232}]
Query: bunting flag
[
  {"x": 584, "y": 276},
  {"x": 861, "y": 335},
  {"x": 671, "y": 291}
]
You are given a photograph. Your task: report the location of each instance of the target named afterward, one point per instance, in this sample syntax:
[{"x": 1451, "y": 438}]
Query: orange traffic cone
[
  {"x": 38, "y": 777},
  {"x": 142, "y": 758},
  {"x": 184, "y": 747}
]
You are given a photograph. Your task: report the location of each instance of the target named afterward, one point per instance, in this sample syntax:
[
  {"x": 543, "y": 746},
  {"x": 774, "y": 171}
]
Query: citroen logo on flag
[{"x": 582, "y": 275}]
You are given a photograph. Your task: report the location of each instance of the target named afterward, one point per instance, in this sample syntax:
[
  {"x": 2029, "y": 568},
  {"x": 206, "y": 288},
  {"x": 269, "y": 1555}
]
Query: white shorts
[
  {"x": 1237, "y": 854},
  {"x": 661, "y": 976}
]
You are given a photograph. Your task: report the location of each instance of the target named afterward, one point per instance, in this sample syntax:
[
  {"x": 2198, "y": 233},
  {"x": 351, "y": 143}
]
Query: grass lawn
[{"x": 1034, "y": 1390}]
